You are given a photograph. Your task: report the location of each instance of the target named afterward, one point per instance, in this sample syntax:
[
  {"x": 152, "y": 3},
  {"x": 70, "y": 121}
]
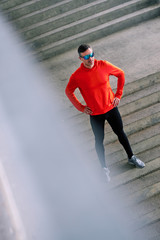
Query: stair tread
[
  {"x": 140, "y": 109},
  {"x": 131, "y": 175},
  {"x": 62, "y": 15},
  {"x": 141, "y": 147},
  {"x": 84, "y": 19},
  {"x": 7, "y": 5},
  {"x": 136, "y": 138},
  {"x": 121, "y": 19},
  {"x": 45, "y": 6},
  {"x": 122, "y": 166}
]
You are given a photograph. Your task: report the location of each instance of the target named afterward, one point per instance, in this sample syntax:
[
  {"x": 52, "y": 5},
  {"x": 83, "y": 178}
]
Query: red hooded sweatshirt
[{"x": 95, "y": 87}]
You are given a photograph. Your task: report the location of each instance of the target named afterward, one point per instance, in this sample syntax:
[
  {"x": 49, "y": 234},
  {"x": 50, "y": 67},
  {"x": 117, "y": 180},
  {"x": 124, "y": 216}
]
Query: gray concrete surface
[
  {"x": 136, "y": 51},
  {"x": 53, "y": 28}
]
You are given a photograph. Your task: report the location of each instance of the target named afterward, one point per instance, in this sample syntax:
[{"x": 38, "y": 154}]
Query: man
[{"x": 92, "y": 79}]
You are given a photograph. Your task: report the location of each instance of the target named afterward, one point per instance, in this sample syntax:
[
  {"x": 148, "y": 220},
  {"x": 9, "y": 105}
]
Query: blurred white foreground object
[{"x": 56, "y": 193}]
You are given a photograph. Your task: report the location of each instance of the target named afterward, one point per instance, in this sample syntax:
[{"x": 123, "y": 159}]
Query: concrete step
[
  {"x": 140, "y": 141},
  {"x": 145, "y": 193},
  {"x": 54, "y": 28},
  {"x": 98, "y": 32},
  {"x": 7, "y": 5},
  {"x": 66, "y": 14},
  {"x": 140, "y": 199},
  {"x": 149, "y": 232},
  {"x": 140, "y": 116},
  {"x": 42, "y": 10},
  {"x": 23, "y": 8},
  {"x": 81, "y": 19},
  {"x": 130, "y": 176},
  {"x": 148, "y": 219},
  {"x": 135, "y": 96},
  {"x": 142, "y": 83},
  {"x": 122, "y": 166},
  {"x": 140, "y": 103},
  {"x": 138, "y": 193},
  {"x": 149, "y": 205},
  {"x": 134, "y": 127},
  {"x": 139, "y": 148},
  {"x": 89, "y": 22}
]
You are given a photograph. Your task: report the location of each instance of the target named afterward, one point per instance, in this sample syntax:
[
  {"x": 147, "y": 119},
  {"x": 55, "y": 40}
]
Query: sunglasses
[{"x": 88, "y": 56}]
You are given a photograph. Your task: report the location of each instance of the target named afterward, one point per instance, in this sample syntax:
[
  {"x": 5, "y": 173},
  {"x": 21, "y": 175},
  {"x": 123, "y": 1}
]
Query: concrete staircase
[
  {"x": 53, "y": 27},
  {"x": 140, "y": 189},
  {"x": 140, "y": 110}
]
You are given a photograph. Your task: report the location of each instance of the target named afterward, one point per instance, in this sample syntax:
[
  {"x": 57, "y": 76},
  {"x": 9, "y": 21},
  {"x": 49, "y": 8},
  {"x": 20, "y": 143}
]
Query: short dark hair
[{"x": 82, "y": 48}]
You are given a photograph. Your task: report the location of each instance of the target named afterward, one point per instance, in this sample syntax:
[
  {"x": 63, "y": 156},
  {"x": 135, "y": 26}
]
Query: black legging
[{"x": 114, "y": 119}]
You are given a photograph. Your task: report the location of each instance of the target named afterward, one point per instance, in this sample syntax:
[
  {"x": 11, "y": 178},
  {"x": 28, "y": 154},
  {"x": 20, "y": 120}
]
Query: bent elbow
[{"x": 66, "y": 91}]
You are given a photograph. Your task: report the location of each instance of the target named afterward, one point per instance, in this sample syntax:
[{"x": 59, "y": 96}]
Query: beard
[{"x": 90, "y": 63}]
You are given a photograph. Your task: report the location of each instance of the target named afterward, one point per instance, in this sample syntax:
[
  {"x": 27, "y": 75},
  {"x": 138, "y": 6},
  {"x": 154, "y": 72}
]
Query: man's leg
[
  {"x": 114, "y": 119},
  {"x": 97, "y": 124}
]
